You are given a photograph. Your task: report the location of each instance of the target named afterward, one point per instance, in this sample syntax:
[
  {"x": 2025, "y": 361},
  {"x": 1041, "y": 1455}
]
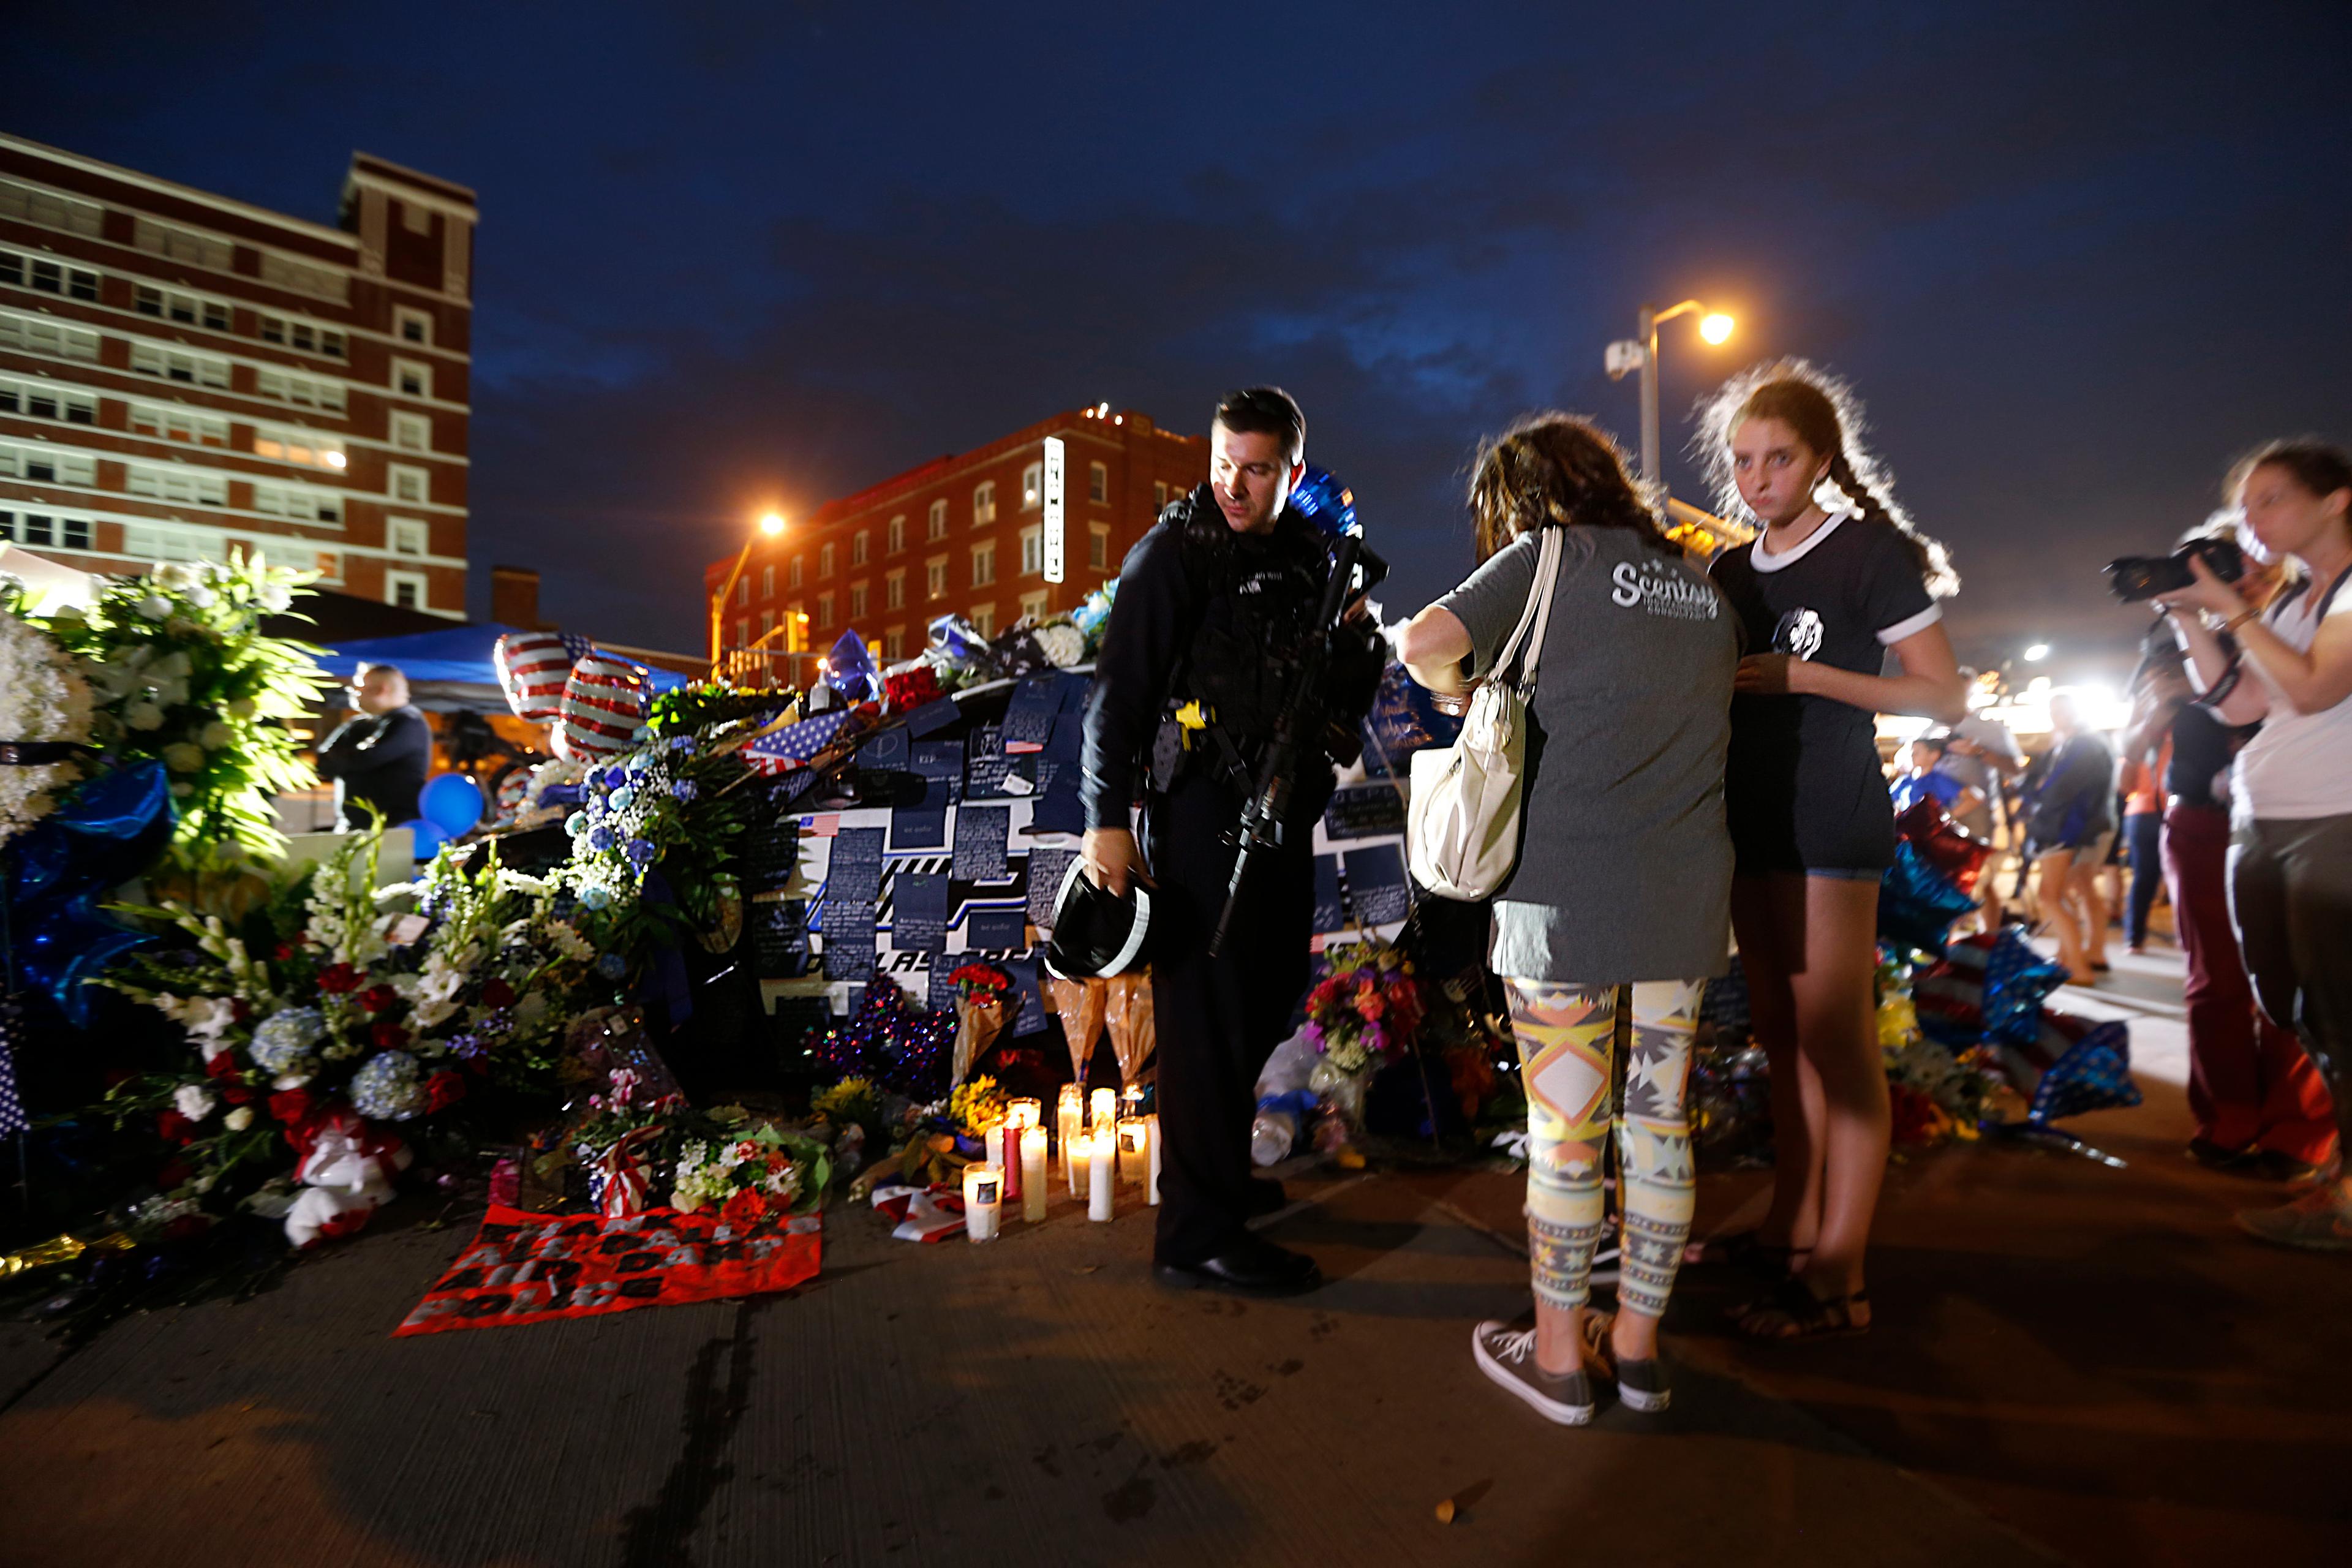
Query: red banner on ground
[{"x": 527, "y": 1268}]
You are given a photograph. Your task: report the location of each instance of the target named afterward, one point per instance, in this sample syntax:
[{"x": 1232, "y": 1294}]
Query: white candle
[
  {"x": 1106, "y": 1107},
  {"x": 1033, "y": 1173},
  {"x": 1077, "y": 1158},
  {"x": 1099, "y": 1175},
  {"x": 1151, "y": 1128},
  {"x": 1134, "y": 1149},
  {"x": 1069, "y": 1118},
  {"x": 983, "y": 1187},
  {"x": 1025, "y": 1113},
  {"x": 992, "y": 1141}
]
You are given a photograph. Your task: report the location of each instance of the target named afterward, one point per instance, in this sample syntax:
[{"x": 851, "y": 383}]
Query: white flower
[
  {"x": 240, "y": 1119},
  {"x": 183, "y": 758},
  {"x": 274, "y": 598},
  {"x": 216, "y": 736},
  {"x": 201, "y": 596},
  {"x": 154, "y": 606},
  {"x": 144, "y": 716},
  {"x": 191, "y": 1101},
  {"x": 285, "y": 1081},
  {"x": 44, "y": 696},
  {"x": 243, "y": 709},
  {"x": 177, "y": 574}
]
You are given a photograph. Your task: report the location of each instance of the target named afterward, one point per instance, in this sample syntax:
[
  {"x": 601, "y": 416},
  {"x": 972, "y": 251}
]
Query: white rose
[
  {"x": 216, "y": 736},
  {"x": 201, "y": 596},
  {"x": 240, "y": 1119},
  {"x": 183, "y": 758},
  {"x": 154, "y": 606},
  {"x": 176, "y": 574},
  {"x": 191, "y": 1101},
  {"x": 144, "y": 716}
]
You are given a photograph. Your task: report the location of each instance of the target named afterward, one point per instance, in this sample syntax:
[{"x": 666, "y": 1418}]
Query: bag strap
[{"x": 1535, "y": 616}]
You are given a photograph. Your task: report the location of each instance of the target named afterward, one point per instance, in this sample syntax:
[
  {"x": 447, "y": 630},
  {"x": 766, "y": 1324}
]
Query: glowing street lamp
[
  {"x": 770, "y": 525},
  {"x": 2037, "y": 652},
  {"x": 1641, "y": 352}
]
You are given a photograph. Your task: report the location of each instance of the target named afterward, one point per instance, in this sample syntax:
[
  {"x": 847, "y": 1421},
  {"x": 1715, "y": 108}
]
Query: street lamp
[
  {"x": 1641, "y": 352},
  {"x": 770, "y": 525},
  {"x": 2037, "y": 652}
]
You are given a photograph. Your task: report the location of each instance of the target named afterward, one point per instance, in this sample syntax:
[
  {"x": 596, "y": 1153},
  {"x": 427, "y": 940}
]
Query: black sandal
[{"x": 1807, "y": 1316}]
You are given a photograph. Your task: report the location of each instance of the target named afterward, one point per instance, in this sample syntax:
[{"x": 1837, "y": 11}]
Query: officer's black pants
[{"x": 1218, "y": 1019}]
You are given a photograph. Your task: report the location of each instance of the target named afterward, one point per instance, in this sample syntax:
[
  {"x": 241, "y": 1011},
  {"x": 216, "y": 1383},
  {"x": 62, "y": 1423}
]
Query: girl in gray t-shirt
[{"x": 1623, "y": 879}]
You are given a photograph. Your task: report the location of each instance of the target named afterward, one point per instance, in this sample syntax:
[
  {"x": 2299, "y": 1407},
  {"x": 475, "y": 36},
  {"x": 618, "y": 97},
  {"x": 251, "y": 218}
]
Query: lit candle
[
  {"x": 1077, "y": 1158},
  {"x": 1134, "y": 1149},
  {"x": 1005, "y": 1153},
  {"x": 1105, "y": 1109},
  {"x": 1069, "y": 1117},
  {"x": 992, "y": 1141},
  {"x": 1152, "y": 1126},
  {"x": 983, "y": 1201},
  {"x": 1099, "y": 1175},
  {"x": 1025, "y": 1113},
  {"x": 1033, "y": 1173}
]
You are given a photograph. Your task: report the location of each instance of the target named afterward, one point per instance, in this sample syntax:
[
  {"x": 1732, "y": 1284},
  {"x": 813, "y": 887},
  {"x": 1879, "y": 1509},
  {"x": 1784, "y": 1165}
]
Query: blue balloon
[
  {"x": 1329, "y": 504},
  {"x": 59, "y": 873},
  {"x": 452, "y": 803},
  {"x": 426, "y": 837}
]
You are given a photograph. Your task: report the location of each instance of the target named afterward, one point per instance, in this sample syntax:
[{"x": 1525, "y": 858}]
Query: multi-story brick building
[
  {"x": 965, "y": 534},
  {"x": 182, "y": 375}
]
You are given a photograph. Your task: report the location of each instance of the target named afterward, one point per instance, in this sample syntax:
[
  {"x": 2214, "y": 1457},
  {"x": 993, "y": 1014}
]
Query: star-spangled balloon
[
  {"x": 61, "y": 871},
  {"x": 1918, "y": 903},
  {"x": 2016, "y": 982},
  {"x": 2094, "y": 1075}
]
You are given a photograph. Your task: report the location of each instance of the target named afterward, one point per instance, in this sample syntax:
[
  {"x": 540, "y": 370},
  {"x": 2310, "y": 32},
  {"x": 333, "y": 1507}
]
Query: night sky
[{"x": 737, "y": 256}]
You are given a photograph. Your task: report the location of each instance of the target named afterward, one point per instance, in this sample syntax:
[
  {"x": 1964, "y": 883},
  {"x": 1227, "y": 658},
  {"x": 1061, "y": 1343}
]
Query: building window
[
  {"x": 983, "y": 619},
  {"x": 1159, "y": 497},
  {"x": 1032, "y": 605},
  {"x": 825, "y": 560},
  {"x": 415, "y": 217},
  {"x": 184, "y": 245},
  {"x": 742, "y": 589},
  {"x": 36, "y": 400},
  {"x": 412, "y": 432},
  {"x": 936, "y": 524},
  {"x": 1098, "y": 546},
  {"x": 302, "y": 335},
  {"x": 983, "y": 566},
  {"x": 894, "y": 591},
  {"x": 191, "y": 370},
  {"x": 897, "y": 533},
  {"x": 767, "y": 623},
  {"x": 403, "y": 483},
  {"x": 413, "y": 326},
  {"x": 857, "y": 601},
  {"x": 768, "y": 582},
  {"x": 159, "y": 542},
  {"x": 329, "y": 564},
  {"x": 406, "y": 589},
  {"x": 189, "y": 487},
  {"x": 45, "y": 528},
  {"x": 742, "y": 631},
  {"x": 793, "y": 575},
  {"x": 290, "y": 446},
  {"x": 301, "y": 504},
  {"x": 825, "y": 611},
  {"x": 894, "y": 643},
  {"x": 50, "y": 210},
  {"x": 171, "y": 305},
  {"x": 983, "y": 503},
  {"x": 48, "y": 277},
  {"x": 302, "y": 278},
  {"x": 1098, "y": 484},
  {"x": 411, "y": 379},
  {"x": 407, "y": 536},
  {"x": 44, "y": 465},
  {"x": 306, "y": 392},
  {"x": 1032, "y": 551},
  {"x": 935, "y": 577},
  {"x": 1032, "y": 487},
  {"x": 37, "y": 334},
  {"x": 171, "y": 424},
  {"x": 860, "y": 546}
]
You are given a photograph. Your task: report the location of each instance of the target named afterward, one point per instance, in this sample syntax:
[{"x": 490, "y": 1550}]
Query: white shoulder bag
[{"x": 1462, "y": 828}]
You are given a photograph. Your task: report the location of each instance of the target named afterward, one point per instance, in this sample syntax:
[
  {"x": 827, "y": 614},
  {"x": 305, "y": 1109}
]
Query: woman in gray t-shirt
[{"x": 1623, "y": 877}]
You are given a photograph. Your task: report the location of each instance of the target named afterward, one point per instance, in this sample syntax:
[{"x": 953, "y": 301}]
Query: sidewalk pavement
[{"x": 2072, "y": 1362}]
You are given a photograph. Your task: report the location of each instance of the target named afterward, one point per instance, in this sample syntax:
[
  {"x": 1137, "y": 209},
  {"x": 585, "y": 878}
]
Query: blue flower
[
  {"x": 639, "y": 762},
  {"x": 613, "y": 966},
  {"x": 685, "y": 789},
  {"x": 641, "y": 734},
  {"x": 388, "y": 1087},
  {"x": 625, "y": 797},
  {"x": 594, "y": 897},
  {"x": 611, "y": 778},
  {"x": 602, "y": 837},
  {"x": 640, "y": 852},
  {"x": 682, "y": 742}
]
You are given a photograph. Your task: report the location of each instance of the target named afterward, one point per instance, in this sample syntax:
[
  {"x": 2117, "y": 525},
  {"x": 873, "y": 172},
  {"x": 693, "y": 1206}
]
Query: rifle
[{"x": 1301, "y": 721}]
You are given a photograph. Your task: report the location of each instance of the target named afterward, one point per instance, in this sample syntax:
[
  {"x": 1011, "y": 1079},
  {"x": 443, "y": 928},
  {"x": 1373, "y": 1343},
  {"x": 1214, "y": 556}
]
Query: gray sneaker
[
  {"x": 1509, "y": 1357},
  {"x": 1641, "y": 1386},
  {"x": 2320, "y": 1220}
]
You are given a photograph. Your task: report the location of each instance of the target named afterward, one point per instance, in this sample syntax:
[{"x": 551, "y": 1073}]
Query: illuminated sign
[{"x": 1054, "y": 530}]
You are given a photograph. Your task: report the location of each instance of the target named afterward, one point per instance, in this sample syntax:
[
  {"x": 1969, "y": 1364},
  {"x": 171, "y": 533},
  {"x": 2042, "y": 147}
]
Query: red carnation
[
  {"x": 442, "y": 1089},
  {"x": 337, "y": 978},
  {"x": 283, "y": 952},
  {"x": 236, "y": 1094},
  {"x": 745, "y": 1209},
  {"x": 498, "y": 993},
  {"x": 223, "y": 1065},
  {"x": 172, "y": 1128},
  {"x": 388, "y": 1035},
  {"x": 292, "y": 1106},
  {"x": 379, "y": 998}
]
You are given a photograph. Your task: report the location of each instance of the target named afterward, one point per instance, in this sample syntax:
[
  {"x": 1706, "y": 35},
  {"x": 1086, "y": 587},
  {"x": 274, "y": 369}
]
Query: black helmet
[{"x": 1097, "y": 934}]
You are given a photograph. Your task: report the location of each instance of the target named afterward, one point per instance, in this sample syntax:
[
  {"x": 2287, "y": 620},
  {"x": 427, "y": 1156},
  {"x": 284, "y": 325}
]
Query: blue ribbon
[{"x": 113, "y": 828}]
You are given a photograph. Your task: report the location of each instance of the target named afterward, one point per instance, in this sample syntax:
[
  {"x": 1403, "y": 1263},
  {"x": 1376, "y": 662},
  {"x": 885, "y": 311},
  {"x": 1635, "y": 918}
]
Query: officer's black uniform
[{"x": 1208, "y": 615}]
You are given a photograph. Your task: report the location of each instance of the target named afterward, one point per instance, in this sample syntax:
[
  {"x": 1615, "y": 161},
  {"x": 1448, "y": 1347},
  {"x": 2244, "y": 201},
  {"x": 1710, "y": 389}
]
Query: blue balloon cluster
[{"x": 1329, "y": 504}]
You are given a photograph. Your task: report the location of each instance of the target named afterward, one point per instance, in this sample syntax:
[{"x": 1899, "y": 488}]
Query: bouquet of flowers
[
  {"x": 982, "y": 993},
  {"x": 44, "y": 720},
  {"x": 181, "y": 671},
  {"x": 672, "y": 803},
  {"x": 763, "y": 1170},
  {"x": 1366, "y": 1009}
]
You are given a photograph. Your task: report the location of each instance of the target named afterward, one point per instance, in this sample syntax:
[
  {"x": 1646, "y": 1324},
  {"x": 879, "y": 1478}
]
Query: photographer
[
  {"x": 2291, "y": 852},
  {"x": 1216, "y": 612}
]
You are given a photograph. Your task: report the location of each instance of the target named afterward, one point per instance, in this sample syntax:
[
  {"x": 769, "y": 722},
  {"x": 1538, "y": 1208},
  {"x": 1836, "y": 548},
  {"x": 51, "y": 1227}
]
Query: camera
[{"x": 2136, "y": 578}]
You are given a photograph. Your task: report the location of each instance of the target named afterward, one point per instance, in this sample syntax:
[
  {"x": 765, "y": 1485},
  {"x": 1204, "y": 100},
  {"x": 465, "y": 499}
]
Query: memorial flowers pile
[
  {"x": 1367, "y": 1010},
  {"x": 44, "y": 720},
  {"x": 653, "y": 846}
]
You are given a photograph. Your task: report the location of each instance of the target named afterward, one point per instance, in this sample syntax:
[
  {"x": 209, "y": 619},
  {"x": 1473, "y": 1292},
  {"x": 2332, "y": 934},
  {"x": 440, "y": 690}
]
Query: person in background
[
  {"x": 1836, "y": 582},
  {"x": 2290, "y": 784},
  {"x": 1931, "y": 779},
  {"x": 2143, "y": 779},
  {"x": 1981, "y": 754},
  {"x": 2262, "y": 1109},
  {"x": 2070, "y": 826},
  {"x": 379, "y": 756},
  {"x": 1624, "y": 880}
]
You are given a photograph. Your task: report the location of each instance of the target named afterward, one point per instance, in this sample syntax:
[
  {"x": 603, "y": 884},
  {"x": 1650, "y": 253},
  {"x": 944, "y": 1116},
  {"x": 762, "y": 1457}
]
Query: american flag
[{"x": 797, "y": 745}]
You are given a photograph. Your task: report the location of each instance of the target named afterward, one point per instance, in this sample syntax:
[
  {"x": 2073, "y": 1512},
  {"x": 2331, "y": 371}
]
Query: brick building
[
  {"x": 964, "y": 534},
  {"x": 181, "y": 374}
]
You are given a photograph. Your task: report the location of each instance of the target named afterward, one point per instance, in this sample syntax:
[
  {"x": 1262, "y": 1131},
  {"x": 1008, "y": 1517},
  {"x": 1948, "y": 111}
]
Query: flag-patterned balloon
[
  {"x": 797, "y": 745},
  {"x": 511, "y": 790},
  {"x": 532, "y": 668},
  {"x": 605, "y": 702}
]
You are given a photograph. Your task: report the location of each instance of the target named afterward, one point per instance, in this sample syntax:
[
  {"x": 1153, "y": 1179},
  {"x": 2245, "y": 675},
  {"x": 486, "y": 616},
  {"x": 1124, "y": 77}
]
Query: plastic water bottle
[{"x": 1271, "y": 1136}]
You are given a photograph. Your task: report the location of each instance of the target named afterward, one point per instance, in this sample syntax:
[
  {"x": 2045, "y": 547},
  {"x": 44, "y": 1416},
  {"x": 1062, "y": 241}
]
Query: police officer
[{"x": 1216, "y": 605}]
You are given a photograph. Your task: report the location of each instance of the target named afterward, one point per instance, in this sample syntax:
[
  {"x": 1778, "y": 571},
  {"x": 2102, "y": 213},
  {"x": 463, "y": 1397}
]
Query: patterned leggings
[{"x": 1566, "y": 1038}]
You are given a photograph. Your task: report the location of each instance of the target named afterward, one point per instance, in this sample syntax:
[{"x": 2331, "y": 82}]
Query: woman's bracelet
[{"x": 2240, "y": 619}]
